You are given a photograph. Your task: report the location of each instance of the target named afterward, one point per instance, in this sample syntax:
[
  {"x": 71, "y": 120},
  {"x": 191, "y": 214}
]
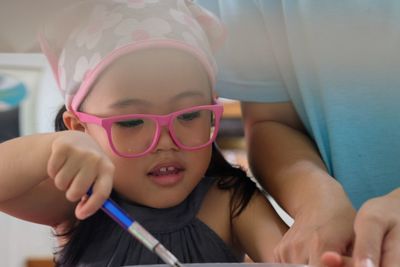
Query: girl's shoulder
[
  {"x": 224, "y": 201},
  {"x": 243, "y": 218},
  {"x": 215, "y": 211},
  {"x": 258, "y": 229}
]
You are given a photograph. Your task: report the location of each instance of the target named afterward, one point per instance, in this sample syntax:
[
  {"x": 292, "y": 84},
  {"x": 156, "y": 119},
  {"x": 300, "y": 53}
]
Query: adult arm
[{"x": 286, "y": 162}]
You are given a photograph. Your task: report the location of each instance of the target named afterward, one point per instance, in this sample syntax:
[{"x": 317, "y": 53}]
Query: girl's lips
[{"x": 166, "y": 174}]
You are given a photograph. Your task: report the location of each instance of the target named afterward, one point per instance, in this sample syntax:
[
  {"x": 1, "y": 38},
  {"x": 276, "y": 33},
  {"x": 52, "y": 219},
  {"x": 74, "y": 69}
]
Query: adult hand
[
  {"x": 316, "y": 230},
  {"x": 377, "y": 228},
  {"x": 334, "y": 259},
  {"x": 377, "y": 241}
]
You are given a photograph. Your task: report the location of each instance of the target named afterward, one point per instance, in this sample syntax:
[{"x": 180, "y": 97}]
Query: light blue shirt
[{"x": 338, "y": 62}]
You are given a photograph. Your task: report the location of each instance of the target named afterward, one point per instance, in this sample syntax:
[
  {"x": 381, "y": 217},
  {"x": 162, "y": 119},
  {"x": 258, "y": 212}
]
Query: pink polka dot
[
  {"x": 205, "y": 21},
  {"x": 94, "y": 28},
  {"x": 189, "y": 20},
  {"x": 140, "y": 35},
  {"x": 135, "y": 1}
]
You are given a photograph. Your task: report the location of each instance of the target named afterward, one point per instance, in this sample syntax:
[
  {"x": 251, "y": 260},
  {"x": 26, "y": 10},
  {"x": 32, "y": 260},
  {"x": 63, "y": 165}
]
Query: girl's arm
[
  {"x": 26, "y": 191},
  {"x": 35, "y": 170},
  {"x": 258, "y": 229}
]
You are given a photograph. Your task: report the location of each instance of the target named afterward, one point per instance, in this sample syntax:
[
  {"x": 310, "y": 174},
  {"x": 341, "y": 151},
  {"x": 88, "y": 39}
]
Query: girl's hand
[
  {"x": 76, "y": 163},
  {"x": 377, "y": 229},
  {"x": 317, "y": 229}
]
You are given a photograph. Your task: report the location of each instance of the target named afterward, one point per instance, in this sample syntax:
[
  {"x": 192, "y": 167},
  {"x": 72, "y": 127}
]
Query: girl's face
[{"x": 152, "y": 82}]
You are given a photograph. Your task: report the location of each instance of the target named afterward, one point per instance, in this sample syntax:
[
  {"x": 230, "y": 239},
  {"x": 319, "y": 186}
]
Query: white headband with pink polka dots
[{"x": 104, "y": 30}]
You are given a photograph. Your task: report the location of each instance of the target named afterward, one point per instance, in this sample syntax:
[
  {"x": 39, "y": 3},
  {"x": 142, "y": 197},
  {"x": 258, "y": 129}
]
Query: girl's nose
[{"x": 165, "y": 141}]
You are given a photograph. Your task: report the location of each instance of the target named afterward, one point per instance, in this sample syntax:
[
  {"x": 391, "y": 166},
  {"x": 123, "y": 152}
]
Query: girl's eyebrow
[
  {"x": 190, "y": 94},
  {"x": 130, "y": 102}
]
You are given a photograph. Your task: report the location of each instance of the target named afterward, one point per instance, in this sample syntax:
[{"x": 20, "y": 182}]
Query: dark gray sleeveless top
[{"x": 177, "y": 228}]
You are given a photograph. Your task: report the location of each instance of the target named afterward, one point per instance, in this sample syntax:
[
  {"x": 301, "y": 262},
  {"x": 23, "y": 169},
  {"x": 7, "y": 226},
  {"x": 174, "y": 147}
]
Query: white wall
[{"x": 19, "y": 239}]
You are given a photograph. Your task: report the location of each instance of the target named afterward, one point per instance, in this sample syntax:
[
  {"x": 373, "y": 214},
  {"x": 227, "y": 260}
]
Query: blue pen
[{"x": 141, "y": 234}]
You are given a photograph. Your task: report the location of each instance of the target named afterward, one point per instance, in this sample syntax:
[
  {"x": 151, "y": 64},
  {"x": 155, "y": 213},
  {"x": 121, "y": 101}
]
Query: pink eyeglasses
[{"x": 135, "y": 135}]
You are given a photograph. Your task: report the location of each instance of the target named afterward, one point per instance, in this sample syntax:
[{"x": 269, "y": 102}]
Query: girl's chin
[
  {"x": 167, "y": 192},
  {"x": 164, "y": 202},
  {"x": 159, "y": 203}
]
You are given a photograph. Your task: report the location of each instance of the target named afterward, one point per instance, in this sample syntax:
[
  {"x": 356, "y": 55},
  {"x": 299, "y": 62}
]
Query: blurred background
[{"x": 28, "y": 103}]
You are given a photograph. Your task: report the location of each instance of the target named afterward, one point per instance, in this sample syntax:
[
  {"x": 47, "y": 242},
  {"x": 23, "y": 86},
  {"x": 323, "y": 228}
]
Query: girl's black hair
[{"x": 98, "y": 226}]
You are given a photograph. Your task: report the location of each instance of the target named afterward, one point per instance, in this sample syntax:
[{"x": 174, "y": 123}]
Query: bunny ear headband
[{"x": 92, "y": 34}]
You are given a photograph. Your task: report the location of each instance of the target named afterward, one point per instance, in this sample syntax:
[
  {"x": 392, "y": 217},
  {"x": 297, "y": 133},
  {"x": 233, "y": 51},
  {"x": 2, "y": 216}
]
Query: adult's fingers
[
  {"x": 391, "y": 247},
  {"x": 334, "y": 259},
  {"x": 324, "y": 242},
  {"x": 370, "y": 229},
  {"x": 292, "y": 248}
]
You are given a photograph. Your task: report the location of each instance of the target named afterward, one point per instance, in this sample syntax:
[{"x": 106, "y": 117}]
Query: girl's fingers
[
  {"x": 82, "y": 182},
  {"x": 101, "y": 191},
  {"x": 76, "y": 163},
  {"x": 66, "y": 173},
  {"x": 55, "y": 163}
]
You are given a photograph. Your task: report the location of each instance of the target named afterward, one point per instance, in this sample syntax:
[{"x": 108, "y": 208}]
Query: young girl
[{"x": 139, "y": 125}]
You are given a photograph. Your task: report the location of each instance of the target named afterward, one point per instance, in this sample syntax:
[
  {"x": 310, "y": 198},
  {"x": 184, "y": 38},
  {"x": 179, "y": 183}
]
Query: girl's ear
[
  {"x": 214, "y": 94},
  {"x": 72, "y": 122}
]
